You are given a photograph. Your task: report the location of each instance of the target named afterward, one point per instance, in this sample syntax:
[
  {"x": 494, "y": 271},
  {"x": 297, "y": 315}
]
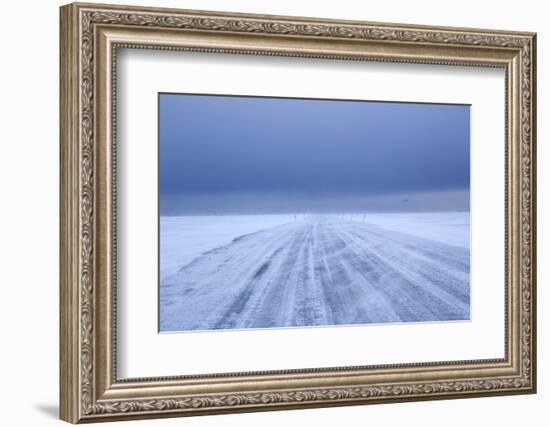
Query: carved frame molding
[{"x": 90, "y": 390}]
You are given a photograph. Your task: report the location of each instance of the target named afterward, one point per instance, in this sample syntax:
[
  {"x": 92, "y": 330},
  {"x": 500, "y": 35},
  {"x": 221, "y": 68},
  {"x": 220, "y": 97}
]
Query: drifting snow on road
[{"x": 322, "y": 270}]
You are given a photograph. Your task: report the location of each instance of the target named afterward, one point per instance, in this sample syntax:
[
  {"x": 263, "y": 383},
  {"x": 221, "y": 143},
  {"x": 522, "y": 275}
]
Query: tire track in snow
[
  {"x": 318, "y": 271},
  {"x": 213, "y": 286},
  {"x": 412, "y": 298},
  {"x": 442, "y": 280}
]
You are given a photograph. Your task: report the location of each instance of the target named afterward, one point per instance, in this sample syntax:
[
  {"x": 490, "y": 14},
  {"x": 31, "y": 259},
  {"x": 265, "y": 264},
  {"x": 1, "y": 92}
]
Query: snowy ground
[
  {"x": 450, "y": 228},
  {"x": 275, "y": 271},
  {"x": 183, "y": 238}
]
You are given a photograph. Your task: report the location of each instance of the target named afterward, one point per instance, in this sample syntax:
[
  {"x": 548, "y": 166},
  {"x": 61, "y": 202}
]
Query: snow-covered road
[{"x": 323, "y": 270}]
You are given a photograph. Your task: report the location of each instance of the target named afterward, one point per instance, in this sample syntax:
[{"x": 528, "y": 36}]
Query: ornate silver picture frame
[{"x": 92, "y": 35}]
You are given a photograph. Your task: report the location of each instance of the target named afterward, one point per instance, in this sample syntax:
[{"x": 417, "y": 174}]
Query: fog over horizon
[
  {"x": 250, "y": 204},
  {"x": 251, "y": 155}
]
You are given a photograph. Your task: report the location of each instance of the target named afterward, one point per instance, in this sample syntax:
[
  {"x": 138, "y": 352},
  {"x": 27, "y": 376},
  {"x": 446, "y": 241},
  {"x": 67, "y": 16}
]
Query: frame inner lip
[{"x": 341, "y": 370}]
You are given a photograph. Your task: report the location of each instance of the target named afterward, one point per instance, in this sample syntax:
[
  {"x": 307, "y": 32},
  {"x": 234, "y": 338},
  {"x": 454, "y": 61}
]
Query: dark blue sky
[{"x": 233, "y": 154}]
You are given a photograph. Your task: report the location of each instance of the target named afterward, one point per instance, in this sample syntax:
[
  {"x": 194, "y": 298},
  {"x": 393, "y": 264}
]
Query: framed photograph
[
  {"x": 294, "y": 212},
  {"x": 266, "y": 212}
]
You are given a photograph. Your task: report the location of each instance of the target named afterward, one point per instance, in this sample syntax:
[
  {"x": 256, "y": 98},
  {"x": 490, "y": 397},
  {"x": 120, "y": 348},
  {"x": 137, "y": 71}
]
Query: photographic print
[{"x": 293, "y": 212}]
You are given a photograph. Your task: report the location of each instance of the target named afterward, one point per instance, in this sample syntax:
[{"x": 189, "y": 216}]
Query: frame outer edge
[
  {"x": 533, "y": 112},
  {"x": 77, "y": 339},
  {"x": 305, "y": 19},
  {"x": 69, "y": 354}
]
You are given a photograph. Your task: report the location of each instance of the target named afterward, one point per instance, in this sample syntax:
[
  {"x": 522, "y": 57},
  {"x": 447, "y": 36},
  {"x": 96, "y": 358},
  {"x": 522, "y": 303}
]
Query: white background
[
  {"x": 145, "y": 353},
  {"x": 29, "y": 171}
]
